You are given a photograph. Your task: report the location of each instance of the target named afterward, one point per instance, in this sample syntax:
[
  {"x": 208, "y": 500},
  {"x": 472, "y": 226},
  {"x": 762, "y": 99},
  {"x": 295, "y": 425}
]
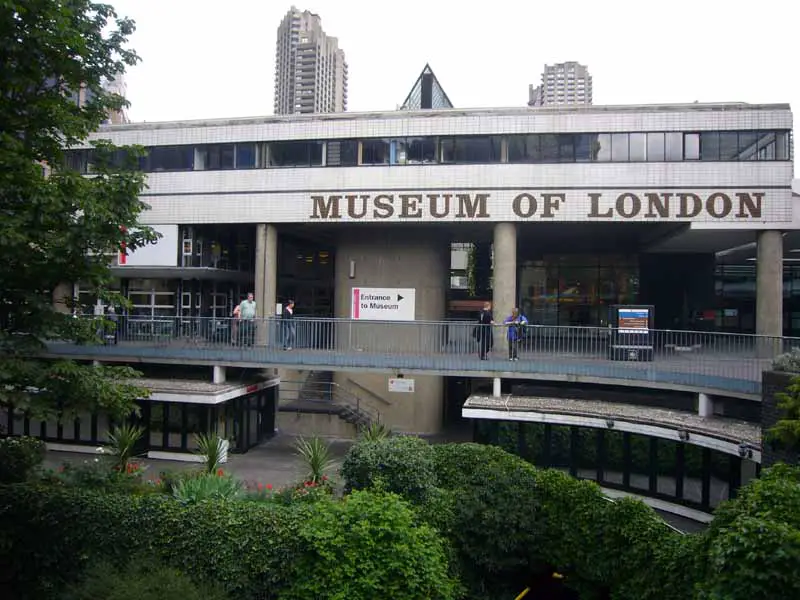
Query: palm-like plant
[
  {"x": 375, "y": 432},
  {"x": 122, "y": 446},
  {"x": 212, "y": 448},
  {"x": 316, "y": 457}
]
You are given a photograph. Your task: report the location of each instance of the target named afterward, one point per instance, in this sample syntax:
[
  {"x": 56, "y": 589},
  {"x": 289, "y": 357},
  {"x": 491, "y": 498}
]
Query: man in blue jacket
[{"x": 516, "y": 323}]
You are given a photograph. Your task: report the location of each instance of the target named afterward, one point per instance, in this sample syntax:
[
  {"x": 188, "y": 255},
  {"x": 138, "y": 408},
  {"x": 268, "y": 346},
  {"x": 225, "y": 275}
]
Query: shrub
[
  {"x": 250, "y": 549},
  {"x": 405, "y": 464},
  {"x": 753, "y": 544},
  {"x": 368, "y": 545},
  {"x": 316, "y": 457},
  {"x": 788, "y": 362},
  {"x": 122, "y": 447},
  {"x": 19, "y": 456},
  {"x": 511, "y": 521},
  {"x": 375, "y": 432},
  {"x": 207, "y": 487},
  {"x": 139, "y": 581},
  {"x": 212, "y": 448}
]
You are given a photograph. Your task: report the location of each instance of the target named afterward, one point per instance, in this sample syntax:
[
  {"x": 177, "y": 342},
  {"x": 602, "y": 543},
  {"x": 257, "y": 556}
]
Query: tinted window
[
  {"x": 170, "y": 158},
  {"x": 375, "y": 152},
  {"x": 655, "y": 146},
  {"x": 246, "y": 156},
  {"x": 295, "y": 154},
  {"x": 471, "y": 149},
  {"x": 619, "y": 147},
  {"x": 342, "y": 153},
  {"x": 691, "y": 146}
]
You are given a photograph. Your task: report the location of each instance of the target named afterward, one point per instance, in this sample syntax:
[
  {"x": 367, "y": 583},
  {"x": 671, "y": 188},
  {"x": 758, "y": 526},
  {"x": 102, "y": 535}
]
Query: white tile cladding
[
  {"x": 602, "y": 119},
  {"x": 756, "y": 193}
]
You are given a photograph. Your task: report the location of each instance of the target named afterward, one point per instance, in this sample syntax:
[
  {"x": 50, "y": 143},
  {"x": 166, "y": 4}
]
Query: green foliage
[
  {"x": 368, "y": 545},
  {"x": 404, "y": 464},
  {"x": 59, "y": 227},
  {"x": 753, "y": 543},
  {"x": 211, "y": 447},
  {"x": 101, "y": 474},
  {"x": 786, "y": 430},
  {"x": 139, "y": 581},
  {"x": 316, "y": 457},
  {"x": 122, "y": 447},
  {"x": 375, "y": 432},
  {"x": 252, "y": 550},
  {"x": 19, "y": 456},
  {"x": 207, "y": 487},
  {"x": 507, "y": 521},
  {"x": 788, "y": 362}
]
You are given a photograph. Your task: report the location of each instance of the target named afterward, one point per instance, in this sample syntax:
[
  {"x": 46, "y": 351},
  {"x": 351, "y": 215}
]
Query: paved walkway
[{"x": 274, "y": 462}]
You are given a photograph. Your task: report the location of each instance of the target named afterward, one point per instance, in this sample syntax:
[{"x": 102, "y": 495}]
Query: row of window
[{"x": 532, "y": 148}]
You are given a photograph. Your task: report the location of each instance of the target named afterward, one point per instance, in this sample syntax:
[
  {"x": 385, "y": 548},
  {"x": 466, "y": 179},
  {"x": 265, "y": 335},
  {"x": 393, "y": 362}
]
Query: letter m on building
[{"x": 326, "y": 208}]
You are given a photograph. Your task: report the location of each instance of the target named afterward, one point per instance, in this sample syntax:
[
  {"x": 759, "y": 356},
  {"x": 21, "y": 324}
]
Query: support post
[
  {"x": 266, "y": 276},
  {"x": 705, "y": 406},
  {"x": 769, "y": 292},
  {"x": 504, "y": 281},
  {"x": 497, "y": 387},
  {"x": 219, "y": 374}
]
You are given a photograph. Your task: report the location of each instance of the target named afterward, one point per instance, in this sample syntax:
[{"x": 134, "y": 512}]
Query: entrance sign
[
  {"x": 401, "y": 385},
  {"x": 383, "y": 304},
  {"x": 630, "y": 332}
]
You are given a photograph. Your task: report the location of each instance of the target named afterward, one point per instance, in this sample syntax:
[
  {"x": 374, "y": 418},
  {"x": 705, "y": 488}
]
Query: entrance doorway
[{"x": 306, "y": 273}]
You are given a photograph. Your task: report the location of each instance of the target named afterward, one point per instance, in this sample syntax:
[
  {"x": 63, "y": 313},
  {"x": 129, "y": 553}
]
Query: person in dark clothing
[
  {"x": 483, "y": 331},
  {"x": 289, "y": 326}
]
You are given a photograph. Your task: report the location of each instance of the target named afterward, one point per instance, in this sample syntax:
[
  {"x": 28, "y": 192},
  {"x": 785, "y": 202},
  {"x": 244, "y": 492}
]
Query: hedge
[
  {"x": 509, "y": 522},
  {"x": 252, "y": 549}
]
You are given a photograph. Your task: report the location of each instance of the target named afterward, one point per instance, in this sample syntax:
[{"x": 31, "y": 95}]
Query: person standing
[
  {"x": 516, "y": 323},
  {"x": 246, "y": 314},
  {"x": 289, "y": 325},
  {"x": 483, "y": 331}
]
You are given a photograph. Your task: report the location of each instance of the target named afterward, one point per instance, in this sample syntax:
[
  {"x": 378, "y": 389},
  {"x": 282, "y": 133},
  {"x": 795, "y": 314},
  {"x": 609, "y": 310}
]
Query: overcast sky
[{"x": 216, "y": 58}]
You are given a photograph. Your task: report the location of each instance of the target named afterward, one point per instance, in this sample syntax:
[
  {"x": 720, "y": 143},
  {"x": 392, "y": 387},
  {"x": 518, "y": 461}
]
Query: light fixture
[
  {"x": 610, "y": 423},
  {"x": 352, "y": 269},
  {"x": 745, "y": 451},
  {"x": 683, "y": 435}
]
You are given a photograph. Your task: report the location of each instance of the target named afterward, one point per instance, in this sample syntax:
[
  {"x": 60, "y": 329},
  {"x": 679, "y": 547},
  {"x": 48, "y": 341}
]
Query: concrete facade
[{"x": 391, "y": 258}]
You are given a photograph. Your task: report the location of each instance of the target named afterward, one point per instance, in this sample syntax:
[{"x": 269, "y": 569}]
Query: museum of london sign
[{"x": 570, "y": 205}]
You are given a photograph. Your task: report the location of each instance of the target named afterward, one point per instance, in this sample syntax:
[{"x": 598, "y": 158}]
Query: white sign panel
[
  {"x": 401, "y": 385},
  {"x": 164, "y": 253},
  {"x": 383, "y": 304}
]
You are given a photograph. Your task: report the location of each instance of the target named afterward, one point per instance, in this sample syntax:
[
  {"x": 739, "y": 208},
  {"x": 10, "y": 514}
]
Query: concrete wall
[
  {"x": 396, "y": 258},
  {"x": 315, "y": 424}
]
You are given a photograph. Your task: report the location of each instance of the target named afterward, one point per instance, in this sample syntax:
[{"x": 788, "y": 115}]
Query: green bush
[
  {"x": 367, "y": 546},
  {"x": 19, "y": 456},
  {"x": 753, "y": 544},
  {"x": 403, "y": 463},
  {"x": 139, "y": 581},
  {"x": 511, "y": 521},
  {"x": 207, "y": 487},
  {"x": 50, "y": 535},
  {"x": 249, "y": 549}
]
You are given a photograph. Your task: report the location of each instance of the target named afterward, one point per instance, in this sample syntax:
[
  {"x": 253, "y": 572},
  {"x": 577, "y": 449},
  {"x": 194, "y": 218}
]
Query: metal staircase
[{"x": 318, "y": 393}]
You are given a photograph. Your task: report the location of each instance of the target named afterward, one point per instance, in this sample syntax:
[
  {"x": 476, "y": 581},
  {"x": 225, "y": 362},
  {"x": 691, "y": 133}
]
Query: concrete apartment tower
[
  {"x": 310, "y": 68},
  {"x": 562, "y": 83}
]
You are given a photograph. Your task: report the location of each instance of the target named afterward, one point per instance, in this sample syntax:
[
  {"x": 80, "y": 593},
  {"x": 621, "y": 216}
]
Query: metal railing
[
  {"x": 450, "y": 346},
  {"x": 327, "y": 393}
]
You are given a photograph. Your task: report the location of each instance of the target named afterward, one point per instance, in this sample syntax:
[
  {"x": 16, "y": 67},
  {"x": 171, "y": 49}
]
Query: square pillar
[
  {"x": 266, "y": 290},
  {"x": 497, "y": 387},
  {"x": 504, "y": 277},
  {"x": 769, "y": 284},
  {"x": 219, "y": 374},
  {"x": 705, "y": 406}
]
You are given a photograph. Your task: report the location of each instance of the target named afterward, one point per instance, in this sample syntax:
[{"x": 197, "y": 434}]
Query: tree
[
  {"x": 56, "y": 225},
  {"x": 786, "y": 431}
]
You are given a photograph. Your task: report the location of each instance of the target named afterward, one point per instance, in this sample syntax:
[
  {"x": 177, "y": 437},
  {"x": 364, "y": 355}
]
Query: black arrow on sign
[{"x": 399, "y": 297}]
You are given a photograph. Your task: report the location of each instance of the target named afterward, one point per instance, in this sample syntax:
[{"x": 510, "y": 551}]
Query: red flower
[
  {"x": 324, "y": 478},
  {"x": 260, "y": 486},
  {"x": 220, "y": 472},
  {"x": 269, "y": 486}
]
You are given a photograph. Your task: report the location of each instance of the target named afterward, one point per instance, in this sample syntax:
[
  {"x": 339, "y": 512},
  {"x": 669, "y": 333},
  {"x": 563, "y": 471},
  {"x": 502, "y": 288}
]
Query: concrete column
[
  {"x": 769, "y": 284},
  {"x": 504, "y": 282},
  {"x": 705, "y": 406},
  {"x": 266, "y": 291},
  {"x": 219, "y": 374},
  {"x": 497, "y": 387}
]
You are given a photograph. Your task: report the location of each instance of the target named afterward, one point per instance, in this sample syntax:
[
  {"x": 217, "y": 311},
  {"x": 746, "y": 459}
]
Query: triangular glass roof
[{"x": 427, "y": 93}]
